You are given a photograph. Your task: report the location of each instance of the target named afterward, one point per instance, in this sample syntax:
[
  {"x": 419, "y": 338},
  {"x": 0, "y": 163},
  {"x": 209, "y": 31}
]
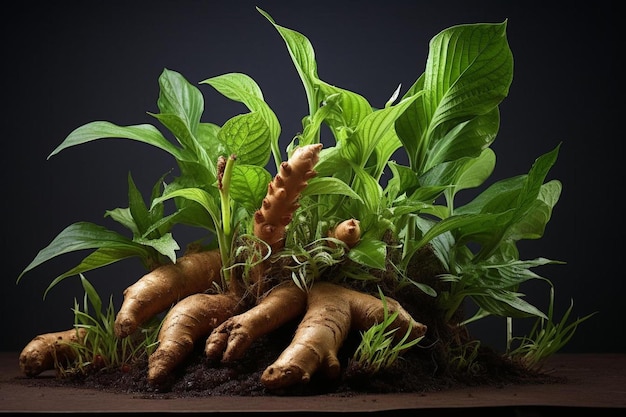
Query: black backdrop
[{"x": 67, "y": 63}]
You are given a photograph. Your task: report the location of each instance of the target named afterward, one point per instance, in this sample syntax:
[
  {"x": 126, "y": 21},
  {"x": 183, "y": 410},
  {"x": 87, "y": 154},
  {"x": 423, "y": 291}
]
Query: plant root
[
  {"x": 283, "y": 193},
  {"x": 156, "y": 291},
  {"x": 332, "y": 311},
  {"x": 230, "y": 340},
  {"x": 47, "y": 350},
  {"x": 187, "y": 322}
]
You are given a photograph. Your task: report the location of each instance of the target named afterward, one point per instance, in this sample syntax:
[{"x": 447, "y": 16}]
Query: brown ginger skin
[
  {"x": 332, "y": 311},
  {"x": 348, "y": 231},
  {"x": 283, "y": 193},
  {"x": 44, "y": 351},
  {"x": 230, "y": 340},
  {"x": 188, "y": 321},
  {"x": 159, "y": 289}
]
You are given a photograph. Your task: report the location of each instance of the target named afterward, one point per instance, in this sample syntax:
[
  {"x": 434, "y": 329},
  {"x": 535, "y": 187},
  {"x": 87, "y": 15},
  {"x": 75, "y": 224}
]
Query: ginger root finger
[
  {"x": 187, "y": 322},
  {"x": 230, "y": 340},
  {"x": 283, "y": 193},
  {"x": 156, "y": 291},
  {"x": 332, "y": 312},
  {"x": 45, "y": 350}
]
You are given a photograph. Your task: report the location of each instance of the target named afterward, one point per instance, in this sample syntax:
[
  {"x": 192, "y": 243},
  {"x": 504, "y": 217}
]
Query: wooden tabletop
[{"x": 592, "y": 381}]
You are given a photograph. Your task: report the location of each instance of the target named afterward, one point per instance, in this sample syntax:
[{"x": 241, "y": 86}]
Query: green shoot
[
  {"x": 377, "y": 349},
  {"x": 545, "y": 338}
]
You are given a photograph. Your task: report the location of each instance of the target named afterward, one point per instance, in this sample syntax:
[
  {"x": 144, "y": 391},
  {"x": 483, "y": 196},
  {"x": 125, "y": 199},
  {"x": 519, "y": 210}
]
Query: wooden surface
[{"x": 593, "y": 383}]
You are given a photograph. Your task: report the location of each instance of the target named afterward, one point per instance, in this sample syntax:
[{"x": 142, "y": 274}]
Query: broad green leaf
[
  {"x": 165, "y": 245},
  {"x": 468, "y": 73},
  {"x": 184, "y": 133},
  {"x": 248, "y": 185},
  {"x": 498, "y": 197},
  {"x": 123, "y": 217},
  {"x": 101, "y": 130},
  {"x": 370, "y": 252},
  {"x": 80, "y": 236},
  {"x": 237, "y": 87},
  {"x": 180, "y": 98},
  {"x": 384, "y": 149},
  {"x": 329, "y": 185},
  {"x": 370, "y": 191},
  {"x": 207, "y": 201},
  {"x": 403, "y": 180},
  {"x": 533, "y": 223},
  {"x": 460, "y": 174},
  {"x": 331, "y": 163},
  {"x": 329, "y": 109},
  {"x": 97, "y": 259},
  {"x": 467, "y": 139},
  {"x": 354, "y": 108},
  {"x": 247, "y": 136},
  {"x": 534, "y": 180},
  {"x": 475, "y": 171},
  {"x": 242, "y": 88},
  {"x": 371, "y": 130}
]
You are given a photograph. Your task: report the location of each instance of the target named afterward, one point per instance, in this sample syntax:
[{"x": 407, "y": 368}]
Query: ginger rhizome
[
  {"x": 46, "y": 350},
  {"x": 228, "y": 320},
  {"x": 332, "y": 311},
  {"x": 283, "y": 194}
]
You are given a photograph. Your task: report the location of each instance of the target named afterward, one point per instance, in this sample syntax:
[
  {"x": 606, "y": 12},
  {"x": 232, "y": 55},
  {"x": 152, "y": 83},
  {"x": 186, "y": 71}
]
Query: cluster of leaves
[{"x": 443, "y": 124}]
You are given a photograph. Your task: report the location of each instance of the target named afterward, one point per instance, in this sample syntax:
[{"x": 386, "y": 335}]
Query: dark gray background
[{"x": 71, "y": 62}]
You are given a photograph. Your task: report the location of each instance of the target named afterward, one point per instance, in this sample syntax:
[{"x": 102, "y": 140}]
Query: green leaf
[
  {"x": 184, "y": 133},
  {"x": 468, "y": 73},
  {"x": 354, "y": 107},
  {"x": 370, "y": 191},
  {"x": 370, "y": 252},
  {"x": 165, "y": 245},
  {"x": 137, "y": 207},
  {"x": 371, "y": 130},
  {"x": 123, "y": 217},
  {"x": 248, "y": 185},
  {"x": 81, "y": 236},
  {"x": 199, "y": 196},
  {"x": 93, "y": 296},
  {"x": 243, "y": 89},
  {"x": 237, "y": 87},
  {"x": 97, "y": 259},
  {"x": 248, "y": 137},
  {"x": 181, "y": 99},
  {"x": 100, "y": 130},
  {"x": 329, "y": 185},
  {"x": 303, "y": 57},
  {"x": 505, "y": 303}
]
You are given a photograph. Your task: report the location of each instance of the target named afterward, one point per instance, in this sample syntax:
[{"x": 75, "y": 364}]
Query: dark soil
[
  {"x": 430, "y": 366},
  {"x": 417, "y": 371}
]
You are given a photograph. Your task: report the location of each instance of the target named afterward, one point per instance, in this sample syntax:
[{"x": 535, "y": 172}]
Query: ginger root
[
  {"x": 283, "y": 193},
  {"x": 46, "y": 350},
  {"x": 230, "y": 340},
  {"x": 156, "y": 291},
  {"x": 348, "y": 231},
  {"x": 332, "y": 311},
  {"x": 189, "y": 320}
]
